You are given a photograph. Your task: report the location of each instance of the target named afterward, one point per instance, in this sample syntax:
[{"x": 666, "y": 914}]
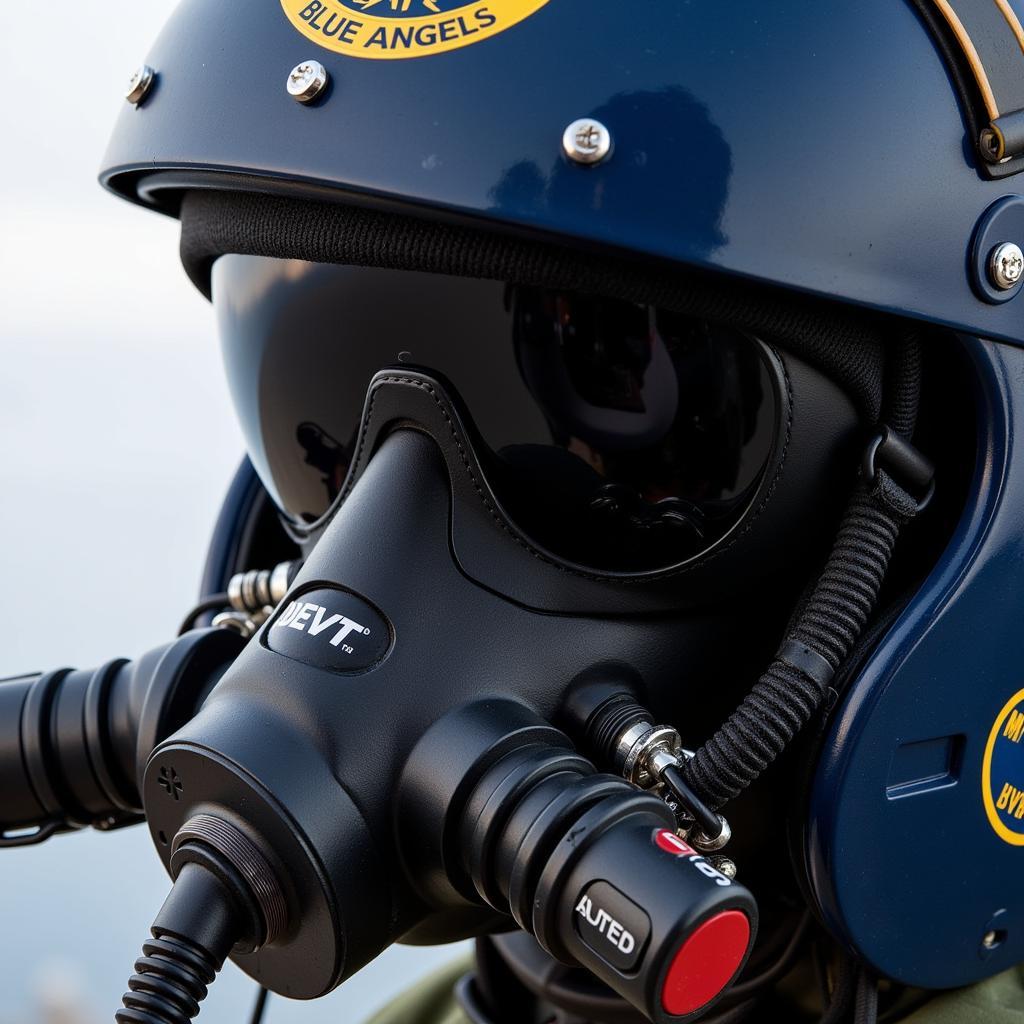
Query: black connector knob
[
  {"x": 652, "y": 918},
  {"x": 592, "y": 867},
  {"x": 501, "y": 809}
]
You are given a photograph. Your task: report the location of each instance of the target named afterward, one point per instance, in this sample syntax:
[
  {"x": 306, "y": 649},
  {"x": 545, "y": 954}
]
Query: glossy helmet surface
[
  {"x": 818, "y": 148},
  {"x": 818, "y": 151}
]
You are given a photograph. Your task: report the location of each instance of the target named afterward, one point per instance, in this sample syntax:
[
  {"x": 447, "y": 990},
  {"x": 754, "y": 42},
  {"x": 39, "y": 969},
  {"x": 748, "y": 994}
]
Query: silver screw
[
  {"x": 139, "y": 84},
  {"x": 307, "y": 80},
  {"x": 587, "y": 141},
  {"x": 1006, "y": 266},
  {"x": 990, "y": 939},
  {"x": 725, "y": 865}
]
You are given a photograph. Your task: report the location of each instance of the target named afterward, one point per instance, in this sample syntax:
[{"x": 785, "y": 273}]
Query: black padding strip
[
  {"x": 843, "y": 343},
  {"x": 807, "y": 661},
  {"x": 998, "y": 48},
  {"x": 973, "y": 105}
]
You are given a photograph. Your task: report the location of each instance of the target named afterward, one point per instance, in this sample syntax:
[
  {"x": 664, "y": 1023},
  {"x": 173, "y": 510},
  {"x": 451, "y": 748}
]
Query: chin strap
[{"x": 896, "y": 483}]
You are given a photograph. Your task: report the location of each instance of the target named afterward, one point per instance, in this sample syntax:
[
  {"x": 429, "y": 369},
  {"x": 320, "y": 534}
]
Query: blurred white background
[{"x": 117, "y": 443}]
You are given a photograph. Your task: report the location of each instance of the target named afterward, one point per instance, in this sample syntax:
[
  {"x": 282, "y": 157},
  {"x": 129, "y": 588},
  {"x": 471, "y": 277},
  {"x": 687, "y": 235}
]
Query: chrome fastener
[
  {"x": 723, "y": 864},
  {"x": 1006, "y": 266},
  {"x": 140, "y": 84},
  {"x": 587, "y": 141},
  {"x": 306, "y": 81},
  {"x": 705, "y": 843}
]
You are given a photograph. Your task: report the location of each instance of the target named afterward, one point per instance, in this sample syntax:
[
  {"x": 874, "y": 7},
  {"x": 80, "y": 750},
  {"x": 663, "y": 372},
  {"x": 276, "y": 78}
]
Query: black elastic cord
[
  {"x": 823, "y": 633},
  {"x": 259, "y": 1006},
  {"x": 706, "y": 819},
  {"x": 865, "y": 1006},
  {"x": 784, "y": 698},
  {"x": 209, "y": 604},
  {"x": 843, "y": 991},
  {"x": 903, "y": 392}
]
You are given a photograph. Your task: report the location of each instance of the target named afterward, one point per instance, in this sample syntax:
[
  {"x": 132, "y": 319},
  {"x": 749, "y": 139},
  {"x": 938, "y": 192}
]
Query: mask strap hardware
[
  {"x": 894, "y": 471},
  {"x": 895, "y": 483},
  {"x": 31, "y": 836}
]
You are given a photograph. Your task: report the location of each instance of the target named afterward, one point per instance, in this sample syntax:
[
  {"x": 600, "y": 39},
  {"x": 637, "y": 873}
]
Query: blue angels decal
[{"x": 398, "y": 29}]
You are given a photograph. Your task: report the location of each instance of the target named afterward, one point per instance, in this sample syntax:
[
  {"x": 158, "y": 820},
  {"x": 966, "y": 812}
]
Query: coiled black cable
[
  {"x": 170, "y": 981},
  {"x": 260, "y": 1006},
  {"x": 192, "y": 934},
  {"x": 212, "y": 603}
]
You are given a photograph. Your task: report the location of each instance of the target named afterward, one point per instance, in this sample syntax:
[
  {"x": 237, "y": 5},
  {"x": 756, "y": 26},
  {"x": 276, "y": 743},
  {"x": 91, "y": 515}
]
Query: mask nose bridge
[
  {"x": 485, "y": 543},
  {"x": 401, "y": 399},
  {"x": 394, "y": 517},
  {"x": 411, "y": 403}
]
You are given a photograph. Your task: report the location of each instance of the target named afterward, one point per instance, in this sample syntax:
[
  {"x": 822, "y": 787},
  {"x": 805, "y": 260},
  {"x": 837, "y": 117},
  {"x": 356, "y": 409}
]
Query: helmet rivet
[
  {"x": 307, "y": 80},
  {"x": 139, "y": 84},
  {"x": 991, "y": 144},
  {"x": 991, "y": 939},
  {"x": 1006, "y": 265},
  {"x": 587, "y": 141}
]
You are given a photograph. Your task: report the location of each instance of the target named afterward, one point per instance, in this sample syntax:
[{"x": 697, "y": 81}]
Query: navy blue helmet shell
[
  {"x": 823, "y": 149},
  {"x": 820, "y": 147}
]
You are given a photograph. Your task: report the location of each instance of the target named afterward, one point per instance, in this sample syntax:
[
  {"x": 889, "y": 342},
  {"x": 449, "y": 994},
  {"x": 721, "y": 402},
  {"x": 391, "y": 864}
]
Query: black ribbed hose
[
  {"x": 825, "y": 630},
  {"x": 784, "y": 698},
  {"x": 193, "y": 933}
]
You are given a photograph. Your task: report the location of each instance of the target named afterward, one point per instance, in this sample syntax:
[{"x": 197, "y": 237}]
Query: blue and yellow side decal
[{"x": 1002, "y": 773}]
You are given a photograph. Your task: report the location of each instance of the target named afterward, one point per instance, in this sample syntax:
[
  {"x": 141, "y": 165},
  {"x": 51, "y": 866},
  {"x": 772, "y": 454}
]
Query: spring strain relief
[
  {"x": 171, "y": 979},
  {"x": 193, "y": 933}
]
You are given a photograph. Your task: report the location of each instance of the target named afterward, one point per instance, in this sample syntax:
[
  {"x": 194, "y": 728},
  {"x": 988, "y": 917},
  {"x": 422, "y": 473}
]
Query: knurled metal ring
[
  {"x": 628, "y": 740},
  {"x": 635, "y": 766},
  {"x": 246, "y": 859}
]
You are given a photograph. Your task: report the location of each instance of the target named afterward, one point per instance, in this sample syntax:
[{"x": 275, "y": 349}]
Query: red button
[
  {"x": 706, "y": 962},
  {"x": 671, "y": 843}
]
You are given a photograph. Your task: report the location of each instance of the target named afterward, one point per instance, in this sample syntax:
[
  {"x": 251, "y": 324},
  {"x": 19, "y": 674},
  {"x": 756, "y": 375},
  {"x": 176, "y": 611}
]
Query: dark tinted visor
[{"x": 617, "y": 436}]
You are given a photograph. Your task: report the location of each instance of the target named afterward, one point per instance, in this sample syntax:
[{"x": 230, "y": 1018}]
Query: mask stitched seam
[{"x": 700, "y": 562}]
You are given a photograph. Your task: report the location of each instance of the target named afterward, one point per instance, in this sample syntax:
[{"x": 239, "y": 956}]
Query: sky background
[{"x": 117, "y": 442}]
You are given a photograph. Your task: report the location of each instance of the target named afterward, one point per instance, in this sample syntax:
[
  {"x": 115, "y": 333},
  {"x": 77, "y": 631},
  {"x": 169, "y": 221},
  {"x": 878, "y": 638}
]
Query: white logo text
[
  {"x": 314, "y": 620},
  {"x": 606, "y": 925}
]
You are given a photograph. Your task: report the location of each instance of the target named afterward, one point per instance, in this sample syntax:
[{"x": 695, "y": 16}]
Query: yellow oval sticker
[
  {"x": 1002, "y": 773},
  {"x": 396, "y": 29}
]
